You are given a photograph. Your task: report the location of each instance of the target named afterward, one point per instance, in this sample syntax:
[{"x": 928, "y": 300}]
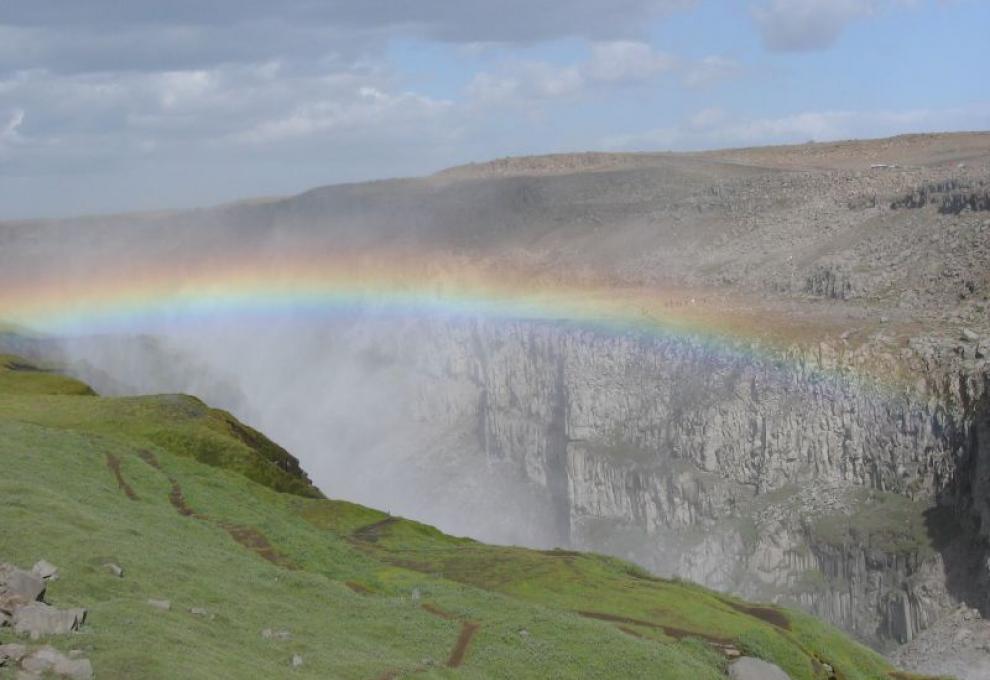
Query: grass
[
  {"x": 881, "y": 520},
  {"x": 365, "y": 595}
]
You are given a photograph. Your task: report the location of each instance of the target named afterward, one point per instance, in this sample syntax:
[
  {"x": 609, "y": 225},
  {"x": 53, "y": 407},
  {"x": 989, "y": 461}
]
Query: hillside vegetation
[{"x": 209, "y": 514}]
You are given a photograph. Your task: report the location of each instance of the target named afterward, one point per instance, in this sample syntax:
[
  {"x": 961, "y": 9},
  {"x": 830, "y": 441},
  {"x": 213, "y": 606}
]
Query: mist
[{"x": 355, "y": 399}]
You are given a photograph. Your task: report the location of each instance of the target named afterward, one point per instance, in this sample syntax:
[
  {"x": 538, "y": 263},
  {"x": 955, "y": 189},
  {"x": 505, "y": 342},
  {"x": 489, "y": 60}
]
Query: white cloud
[
  {"x": 367, "y": 108},
  {"x": 8, "y": 131},
  {"x": 808, "y": 25},
  {"x": 714, "y": 128},
  {"x": 707, "y": 119},
  {"x": 609, "y": 63},
  {"x": 102, "y": 119},
  {"x": 180, "y": 87},
  {"x": 626, "y": 61},
  {"x": 711, "y": 70}
]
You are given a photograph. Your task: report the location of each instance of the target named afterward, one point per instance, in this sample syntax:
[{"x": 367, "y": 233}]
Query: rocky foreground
[{"x": 22, "y": 607}]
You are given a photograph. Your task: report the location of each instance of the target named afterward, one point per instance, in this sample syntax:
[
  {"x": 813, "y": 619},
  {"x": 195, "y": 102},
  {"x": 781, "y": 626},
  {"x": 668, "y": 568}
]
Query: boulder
[
  {"x": 751, "y": 668},
  {"x": 38, "y": 619},
  {"x": 19, "y": 583},
  {"x": 49, "y": 660},
  {"x": 45, "y": 570}
]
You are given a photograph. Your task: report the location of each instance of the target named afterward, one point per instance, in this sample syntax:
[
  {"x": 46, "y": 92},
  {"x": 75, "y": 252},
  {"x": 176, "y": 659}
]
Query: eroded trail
[
  {"x": 113, "y": 462},
  {"x": 247, "y": 536},
  {"x": 468, "y": 630}
]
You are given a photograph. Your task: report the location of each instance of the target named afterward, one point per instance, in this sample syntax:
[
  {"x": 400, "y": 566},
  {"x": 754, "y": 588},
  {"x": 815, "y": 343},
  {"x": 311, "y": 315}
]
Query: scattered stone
[
  {"x": 198, "y": 611},
  {"x": 21, "y": 584},
  {"x": 39, "y": 619},
  {"x": 524, "y": 633},
  {"x": 164, "y": 605},
  {"x": 115, "y": 569},
  {"x": 49, "y": 660},
  {"x": 270, "y": 634},
  {"x": 297, "y": 661},
  {"x": 12, "y": 652},
  {"x": 45, "y": 570},
  {"x": 751, "y": 668},
  {"x": 968, "y": 335},
  {"x": 415, "y": 594}
]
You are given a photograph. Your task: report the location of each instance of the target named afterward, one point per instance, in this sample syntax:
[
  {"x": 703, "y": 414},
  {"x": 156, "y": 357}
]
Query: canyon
[{"x": 818, "y": 437}]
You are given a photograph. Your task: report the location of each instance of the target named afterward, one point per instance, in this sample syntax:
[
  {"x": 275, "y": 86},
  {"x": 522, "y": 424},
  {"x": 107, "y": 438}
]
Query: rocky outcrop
[
  {"x": 958, "y": 645},
  {"x": 21, "y": 593},
  {"x": 951, "y": 196},
  {"x": 749, "y": 470}
]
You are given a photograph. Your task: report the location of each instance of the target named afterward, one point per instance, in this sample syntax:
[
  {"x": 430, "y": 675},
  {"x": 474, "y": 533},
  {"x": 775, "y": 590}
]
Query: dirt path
[
  {"x": 468, "y": 629},
  {"x": 114, "y": 464},
  {"x": 669, "y": 631},
  {"x": 372, "y": 532},
  {"x": 359, "y": 588},
  {"x": 256, "y": 542},
  {"x": 768, "y": 614},
  {"x": 247, "y": 536}
]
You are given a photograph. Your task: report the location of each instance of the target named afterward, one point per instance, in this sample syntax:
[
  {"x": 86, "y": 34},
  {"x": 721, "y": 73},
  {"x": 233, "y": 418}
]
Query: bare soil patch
[{"x": 114, "y": 464}]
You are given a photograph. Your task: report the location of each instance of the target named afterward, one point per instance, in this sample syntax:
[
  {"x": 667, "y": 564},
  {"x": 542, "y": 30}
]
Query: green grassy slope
[{"x": 204, "y": 512}]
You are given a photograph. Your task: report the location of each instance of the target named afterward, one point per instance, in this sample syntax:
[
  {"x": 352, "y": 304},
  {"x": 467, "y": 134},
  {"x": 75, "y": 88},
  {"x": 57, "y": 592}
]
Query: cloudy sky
[{"x": 112, "y": 105}]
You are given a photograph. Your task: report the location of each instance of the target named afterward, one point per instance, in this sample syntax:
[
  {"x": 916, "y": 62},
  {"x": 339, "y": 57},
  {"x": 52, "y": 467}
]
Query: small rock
[
  {"x": 297, "y": 661},
  {"x": 48, "y": 659},
  {"x": 524, "y": 633},
  {"x": 270, "y": 634},
  {"x": 751, "y": 668},
  {"x": 114, "y": 569},
  {"x": 12, "y": 652},
  {"x": 45, "y": 569},
  {"x": 39, "y": 619},
  {"x": 164, "y": 605}
]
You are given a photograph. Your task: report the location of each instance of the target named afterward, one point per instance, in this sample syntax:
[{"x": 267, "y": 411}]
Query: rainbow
[{"x": 143, "y": 298}]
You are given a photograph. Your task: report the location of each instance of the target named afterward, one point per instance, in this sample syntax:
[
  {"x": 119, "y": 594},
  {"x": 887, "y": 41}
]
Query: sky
[{"x": 120, "y": 105}]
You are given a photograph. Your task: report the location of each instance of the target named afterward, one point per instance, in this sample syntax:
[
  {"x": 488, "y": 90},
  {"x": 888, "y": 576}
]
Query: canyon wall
[{"x": 848, "y": 480}]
